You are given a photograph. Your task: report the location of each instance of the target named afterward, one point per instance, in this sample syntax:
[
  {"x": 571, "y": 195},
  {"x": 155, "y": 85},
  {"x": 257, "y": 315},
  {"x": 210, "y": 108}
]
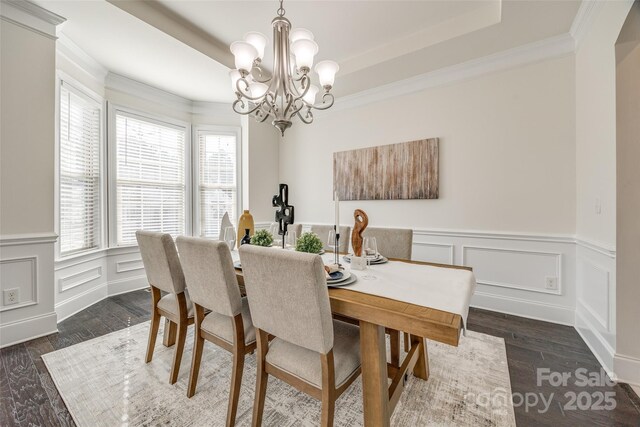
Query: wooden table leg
[
  {"x": 170, "y": 333},
  {"x": 394, "y": 338},
  {"x": 375, "y": 391},
  {"x": 421, "y": 370}
]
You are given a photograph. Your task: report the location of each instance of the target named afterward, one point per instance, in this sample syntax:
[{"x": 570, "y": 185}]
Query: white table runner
[{"x": 446, "y": 289}]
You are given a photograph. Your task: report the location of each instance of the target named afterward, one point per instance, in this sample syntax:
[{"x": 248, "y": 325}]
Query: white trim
[
  {"x": 627, "y": 369},
  {"x": 581, "y": 23},
  {"x": 445, "y": 245},
  {"x": 33, "y": 260},
  {"x": 129, "y": 86},
  {"x": 27, "y": 239},
  {"x": 121, "y": 269},
  {"x": 82, "y": 301},
  {"x": 97, "y": 273},
  {"x": 74, "y": 53},
  {"x": 600, "y": 348},
  {"x": 553, "y": 47},
  {"x": 30, "y": 16},
  {"x": 22, "y": 330},
  {"x": 557, "y": 255},
  {"x": 476, "y": 234},
  {"x": 129, "y": 284},
  {"x": 597, "y": 247},
  {"x": 536, "y": 310}
]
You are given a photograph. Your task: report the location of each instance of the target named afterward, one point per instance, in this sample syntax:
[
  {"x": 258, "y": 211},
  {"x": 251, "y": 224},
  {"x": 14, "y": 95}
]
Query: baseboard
[
  {"x": 77, "y": 303},
  {"x": 627, "y": 369},
  {"x": 121, "y": 286},
  {"x": 600, "y": 348},
  {"x": 524, "y": 308},
  {"x": 27, "y": 329}
]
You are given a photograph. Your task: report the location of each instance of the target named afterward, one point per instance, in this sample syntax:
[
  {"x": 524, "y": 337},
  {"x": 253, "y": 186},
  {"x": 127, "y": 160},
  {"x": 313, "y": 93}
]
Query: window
[
  {"x": 217, "y": 179},
  {"x": 150, "y": 177},
  {"x": 79, "y": 179}
]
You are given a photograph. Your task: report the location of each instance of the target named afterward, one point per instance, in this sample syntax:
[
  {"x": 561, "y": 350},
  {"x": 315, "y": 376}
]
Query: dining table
[{"x": 424, "y": 300}]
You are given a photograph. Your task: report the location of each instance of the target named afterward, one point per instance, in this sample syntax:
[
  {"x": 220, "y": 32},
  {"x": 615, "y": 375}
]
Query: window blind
[
  {"x": 79, "y": 171},
  {"x": 217, "y": 182},
  {"x": 150, "y": 177}
]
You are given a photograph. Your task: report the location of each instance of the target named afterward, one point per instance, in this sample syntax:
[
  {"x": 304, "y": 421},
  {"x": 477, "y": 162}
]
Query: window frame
[
  {"x": 195, "y": 159},
  {"x": 74, "y": 85},
  {"x": 112, "y": 111}
]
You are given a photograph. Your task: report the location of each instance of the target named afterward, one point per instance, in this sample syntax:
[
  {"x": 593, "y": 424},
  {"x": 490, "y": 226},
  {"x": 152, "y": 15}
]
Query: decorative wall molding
[
  {"x": 550, "y": 48},
  {"x": 27, "y": 239},
  {"x": 129, "y": 265},
  {"x": 80, "y": 278},
  {"x": 558, "y": 267},
  {"x": 597, "y": 247},
  {"x": 74, "y": 53},
  {"x": 536, "y": 310},
  {"x": 32, "y": 265},
  {"x": 30, "y": 16},
  {"x": 450, "y": 247},
  {"x": 594, "y": 286},
  {"x": 600, "y": 348},
  {"x": 627, "y": 369},
  {"x": 79, "y": 302},
  {"x": 27, "y": 329},
  {"x": 497, "y": 235}
]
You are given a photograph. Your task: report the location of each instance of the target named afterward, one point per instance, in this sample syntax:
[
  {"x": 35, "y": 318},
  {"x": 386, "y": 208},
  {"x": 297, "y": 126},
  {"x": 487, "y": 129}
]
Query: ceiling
[{"x": 181, "y": 46}]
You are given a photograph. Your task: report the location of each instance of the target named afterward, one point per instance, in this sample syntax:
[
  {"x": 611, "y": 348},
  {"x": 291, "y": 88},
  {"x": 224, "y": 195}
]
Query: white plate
[
  {"x": 346, "y": 274},
  {"x": 349, "y": 281},
  {"x": 379, "y": 260}
]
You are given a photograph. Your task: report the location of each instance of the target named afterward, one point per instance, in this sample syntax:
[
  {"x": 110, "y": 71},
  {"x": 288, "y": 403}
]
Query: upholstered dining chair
[
  {"x": 392, "y": 242},
  {"x": 289, "y": 300},
  {"x": 164, "y": 273},
  {"x": 323, "y": 233},
  {"x": 291, "y": 227},
  {"x": 211, "y": 279}
]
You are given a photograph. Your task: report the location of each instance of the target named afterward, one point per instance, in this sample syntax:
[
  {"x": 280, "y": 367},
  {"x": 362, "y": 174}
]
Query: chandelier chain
[{"x": 281, "y": 10}]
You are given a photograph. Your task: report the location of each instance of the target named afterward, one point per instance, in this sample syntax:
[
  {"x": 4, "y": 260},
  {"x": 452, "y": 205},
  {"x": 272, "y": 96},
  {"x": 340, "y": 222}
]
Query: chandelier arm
[
  {"x": 303, "y": 119},
  {"x": 240, "y": 91},
  {"x": 242, "y": 105},
  {"x": 322, "y": 106},
  {"x": 297, "y": 108},
  {"x": 261, "y": 73}
]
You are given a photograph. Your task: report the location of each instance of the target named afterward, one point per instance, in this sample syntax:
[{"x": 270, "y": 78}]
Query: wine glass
[
  {"x": 273, "y": 229},
  {"x": 230, "y": 237},
  {"x": 370, "y": 252},
  {"x": 290, "y": 239},
  {"x": 331, "y": 240}
]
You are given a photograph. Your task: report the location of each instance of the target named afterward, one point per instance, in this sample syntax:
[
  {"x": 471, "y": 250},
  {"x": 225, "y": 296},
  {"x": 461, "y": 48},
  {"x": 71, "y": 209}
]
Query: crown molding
[
  {"x": 550, "y": 48},
  {"x": 31, "y": 16},
  {"x": 581, "y": 23},
  {"x": 74, "y": 53}
]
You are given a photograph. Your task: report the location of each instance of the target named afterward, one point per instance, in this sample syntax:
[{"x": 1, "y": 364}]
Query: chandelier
[{"x": 288, "y": 91}]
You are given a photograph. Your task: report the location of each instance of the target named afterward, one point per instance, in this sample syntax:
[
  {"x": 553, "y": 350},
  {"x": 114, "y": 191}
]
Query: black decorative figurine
[
  {"x": 284, "y": 216},
  {"x": 246, "y": 239}
]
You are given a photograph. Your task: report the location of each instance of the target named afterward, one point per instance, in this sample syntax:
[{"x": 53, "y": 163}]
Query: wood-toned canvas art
[{"x": 408, "y": 170}]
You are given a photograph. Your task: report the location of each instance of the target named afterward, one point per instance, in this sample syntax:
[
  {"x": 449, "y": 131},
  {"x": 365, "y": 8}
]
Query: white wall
[
  {"x": 26, "y": 174},
  {"x": 596, "y": 181},
  {"x": 507, "y": 162},
  {"x": 627, "y": 358}
]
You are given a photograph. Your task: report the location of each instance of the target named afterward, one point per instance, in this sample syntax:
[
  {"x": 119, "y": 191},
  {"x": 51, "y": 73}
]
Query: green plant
[
  {"x": 262, "y": 238},
  {"x": 309, "y": 242}
]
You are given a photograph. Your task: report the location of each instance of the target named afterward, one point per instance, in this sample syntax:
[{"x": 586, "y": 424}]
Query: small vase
[
  {"x": 245, "y": 222},
  {"x": 246, "y": 239}
]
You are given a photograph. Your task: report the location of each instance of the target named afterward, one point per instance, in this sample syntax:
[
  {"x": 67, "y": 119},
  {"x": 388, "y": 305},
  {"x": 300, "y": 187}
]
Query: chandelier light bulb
[
  {"x": 244, "y": 54},
  {"x": 310, "y": 96},
  {"x": 304, "y": 50},
  {"x": 327, "y": 72},
  {"x": 257, "y": 40},
  {"x": 300, "y": 34},
  {"x": 258, "y": 90}
]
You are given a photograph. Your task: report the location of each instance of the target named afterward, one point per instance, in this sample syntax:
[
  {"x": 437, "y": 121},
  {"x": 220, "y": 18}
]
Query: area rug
[{"x": 105, "y": 382}]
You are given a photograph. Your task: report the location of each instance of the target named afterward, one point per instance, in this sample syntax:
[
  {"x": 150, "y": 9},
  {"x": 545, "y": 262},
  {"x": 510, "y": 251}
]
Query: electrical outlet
[
  {"x": 11, "y": 296},
  {"x": 552, "y": 283}
]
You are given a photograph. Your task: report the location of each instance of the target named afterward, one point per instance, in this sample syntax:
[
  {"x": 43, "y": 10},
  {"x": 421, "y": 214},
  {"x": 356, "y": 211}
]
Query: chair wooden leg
[
  {"x": 262, "y": 342},
  {"x": 170, "y": 333},
  {"x": 407, "y": 342},
  {"x": 421, "y": 370},
  {"x": 329, "y": 394},
  {"x": 236, "y": 372},
  {"x": 395, "y": 347},
  {"x": 182, "y": 336},
  {"x": 155, "y": 324},
  {"x": 198, "y": 345}
]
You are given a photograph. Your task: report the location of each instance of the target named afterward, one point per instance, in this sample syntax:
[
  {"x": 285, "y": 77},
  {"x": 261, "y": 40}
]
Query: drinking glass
[
  {"x": 230, "y": 237},
  {"x": 331, "y": 240},
  {"x": 291, "y": 239},
  {"x": 277, "y": 239},
  {"x": 370, "y": 252}
]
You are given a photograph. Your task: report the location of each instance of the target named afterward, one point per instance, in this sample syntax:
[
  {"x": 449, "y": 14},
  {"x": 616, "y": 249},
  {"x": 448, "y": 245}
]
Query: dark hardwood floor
[{"x": 28, "y": 396}]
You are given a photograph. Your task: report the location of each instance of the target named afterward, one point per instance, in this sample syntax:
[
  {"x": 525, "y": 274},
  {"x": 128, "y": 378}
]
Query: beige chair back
[
  {"x": 392, "y": 242},
  {"x": 288, "y": 296},
  {"x": 291, "y": 227},
  {"x": 210, "y": 275},
  {"x": 161, "y": 262},
  {"x": 323, "y": 233}
]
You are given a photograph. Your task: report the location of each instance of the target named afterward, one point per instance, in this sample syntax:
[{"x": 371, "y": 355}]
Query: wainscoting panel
[
  {"x": 26, "y": 264},
  {"x": 442, "y": 253}
]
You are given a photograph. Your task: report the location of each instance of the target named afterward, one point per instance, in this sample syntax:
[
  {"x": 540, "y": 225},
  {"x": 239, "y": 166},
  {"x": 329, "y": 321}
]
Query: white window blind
[
  {"x": 150, "y": 177},
  {"x": 79, "y": 171},
  {"x": 217, "y": 182}
]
